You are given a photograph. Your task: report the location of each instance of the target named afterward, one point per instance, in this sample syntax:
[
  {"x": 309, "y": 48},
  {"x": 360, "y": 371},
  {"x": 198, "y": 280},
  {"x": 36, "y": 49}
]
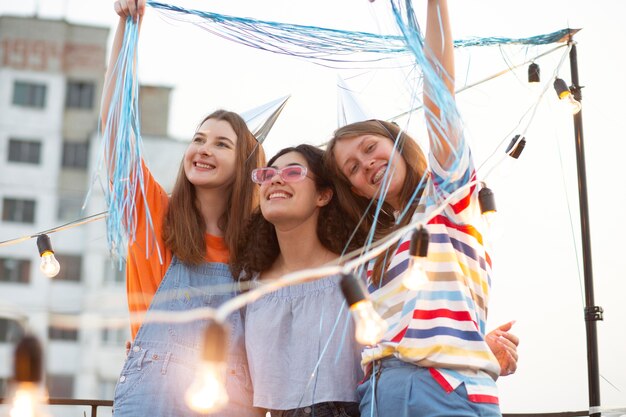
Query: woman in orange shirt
[{"x": 196, "y": 230}]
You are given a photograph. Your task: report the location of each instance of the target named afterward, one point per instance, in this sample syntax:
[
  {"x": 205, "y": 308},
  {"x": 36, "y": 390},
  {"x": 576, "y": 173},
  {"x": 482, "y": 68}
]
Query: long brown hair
[
  {"x": 360, "y": 209},
  {"x": 258, "y": 249},
  {"x": 184, "y": 227}
]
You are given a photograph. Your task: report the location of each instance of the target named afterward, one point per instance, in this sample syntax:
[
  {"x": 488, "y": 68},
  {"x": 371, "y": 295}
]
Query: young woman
[
  {"x": 196, "y": 231},
  {"x": 300, "y": 339},
  {"x": 435, "y": 359}
]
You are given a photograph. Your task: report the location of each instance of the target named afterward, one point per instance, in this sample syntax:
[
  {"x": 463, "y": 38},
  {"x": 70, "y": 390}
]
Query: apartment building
[{"x": 51, "y": 77}]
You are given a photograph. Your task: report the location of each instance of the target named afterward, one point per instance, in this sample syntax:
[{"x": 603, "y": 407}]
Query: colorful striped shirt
[{"x": 442, "y": 325}]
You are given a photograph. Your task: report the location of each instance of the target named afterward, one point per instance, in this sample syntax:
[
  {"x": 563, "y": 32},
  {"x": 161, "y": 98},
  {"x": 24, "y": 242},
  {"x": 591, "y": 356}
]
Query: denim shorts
[
  {"x": 327, "y": 409},
  {"x": 402, "y": 389}
]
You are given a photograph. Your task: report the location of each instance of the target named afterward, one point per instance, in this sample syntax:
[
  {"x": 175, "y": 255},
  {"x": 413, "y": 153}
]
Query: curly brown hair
[{"x": 258, "y": 247}]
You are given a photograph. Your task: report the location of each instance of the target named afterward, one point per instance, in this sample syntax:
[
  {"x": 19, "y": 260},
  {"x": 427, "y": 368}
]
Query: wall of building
[{"x": 62, "y": 57}]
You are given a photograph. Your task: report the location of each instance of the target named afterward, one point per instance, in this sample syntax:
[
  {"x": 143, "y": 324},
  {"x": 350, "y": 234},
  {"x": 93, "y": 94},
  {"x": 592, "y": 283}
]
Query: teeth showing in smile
[
  {"x": 204, "y": 166},
  {"x": 278, "y": 194},
  {"x": 379, "y": 175}
]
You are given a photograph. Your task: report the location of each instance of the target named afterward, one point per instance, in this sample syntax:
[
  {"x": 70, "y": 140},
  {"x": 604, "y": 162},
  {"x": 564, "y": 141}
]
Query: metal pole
[{"x": 593, "y": 313}]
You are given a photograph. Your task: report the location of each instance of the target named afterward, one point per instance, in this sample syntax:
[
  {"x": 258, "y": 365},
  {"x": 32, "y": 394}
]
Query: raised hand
[{"x": 133, "y": 8}]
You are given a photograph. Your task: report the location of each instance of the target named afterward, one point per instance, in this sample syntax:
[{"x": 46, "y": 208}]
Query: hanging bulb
[
  {"x": 534, "y": 73},
  {"x": 534, "y": 86},
  {"x": 507, "y": 165},
  {"x": 571, "y": 104},
  {"x": 27, "y": 401},
  {"x": 566, "y": 97},
  {"x": 487, "y": 202},
  {"x": 415, "y": 277},
  {"x": 370, "y": 328},
  {"x": 207, "y": 393},
  {"x": 49, "y": 264},
  {"x": 28, "y": 396},
  {"x": 516, "y": 146}
]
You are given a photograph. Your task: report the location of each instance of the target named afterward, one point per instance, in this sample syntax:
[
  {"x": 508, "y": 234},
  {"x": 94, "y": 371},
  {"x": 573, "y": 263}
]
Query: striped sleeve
[{"x": 443, "y": 183}]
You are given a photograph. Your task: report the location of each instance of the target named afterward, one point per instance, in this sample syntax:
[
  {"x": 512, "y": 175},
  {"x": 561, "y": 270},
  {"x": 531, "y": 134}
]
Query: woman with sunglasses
[
  {"x": 300, "y": 339},
  {"x": 195, "y": 231},
  {"x": 435, "y": 359}
]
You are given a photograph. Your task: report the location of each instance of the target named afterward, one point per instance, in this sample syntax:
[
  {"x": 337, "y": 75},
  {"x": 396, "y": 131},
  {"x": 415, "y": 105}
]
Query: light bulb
[
  {"x": 28, "y": 400},
  {"x": 370, "y": 328},
  {"x": 486, "y": 201},
  {"x": 490, "y": 218},
  {"x": 534, "y": 84},
  {"x": 566, "y": 98},
  {"x": 28, "y": 396},
  {"x": 207, "y": 393},
  {"x": 516, "y": 146},
  {"x": 49, "y": 266},
  {"x": 534, "y": 73},
  {"x": 570, "y": 103},
  {"x": 415, "y": 277}
]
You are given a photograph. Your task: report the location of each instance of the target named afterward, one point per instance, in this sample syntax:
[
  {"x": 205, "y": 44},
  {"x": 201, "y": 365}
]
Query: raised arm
[
  {"x": 124, "y": 9},
  {"x": 444, "y": 137}
]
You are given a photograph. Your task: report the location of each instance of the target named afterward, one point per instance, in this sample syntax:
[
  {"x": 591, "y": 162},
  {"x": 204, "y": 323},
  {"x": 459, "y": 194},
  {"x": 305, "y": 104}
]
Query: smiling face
[
  {"x": 209, "y": 160},
  {"x": 292, "y": 202},
  {"x": 364, "y": 159}
]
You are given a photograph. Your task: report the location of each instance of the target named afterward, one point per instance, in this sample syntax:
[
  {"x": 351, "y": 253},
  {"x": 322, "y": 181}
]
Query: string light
[
  {"x": 49, "y": 264},
  {"x": 487, "y": 202},
  {"x": 366, "y": 300},
  {"x": 28, "y": 397},
  {"x": 534, "y": 78},
  {"x": 370, "y": 328},
  {"x": 415, "y": 277},
  {"x": 207, "y": 393},
  {"x": 516, "y": 147},
  {"x": 534, "y": 73},
  {"x": 566, "y": 96}
]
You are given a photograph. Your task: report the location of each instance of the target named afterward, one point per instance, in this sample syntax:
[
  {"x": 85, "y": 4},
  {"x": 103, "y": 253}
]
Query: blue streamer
[
  {"x": 324, "y": 45},
  {"x": 122, "y": 149},
  {"x": 122, "y": 136}
]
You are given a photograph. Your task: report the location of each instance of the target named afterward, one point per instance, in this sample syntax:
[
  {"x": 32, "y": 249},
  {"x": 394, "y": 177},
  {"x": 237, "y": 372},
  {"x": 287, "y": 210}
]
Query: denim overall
[{"x": 163, "y": 357}]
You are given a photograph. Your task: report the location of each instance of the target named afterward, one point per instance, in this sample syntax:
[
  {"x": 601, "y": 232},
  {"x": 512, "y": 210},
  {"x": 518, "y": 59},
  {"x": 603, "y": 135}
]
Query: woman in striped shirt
[{"x": 435, "y": 359}]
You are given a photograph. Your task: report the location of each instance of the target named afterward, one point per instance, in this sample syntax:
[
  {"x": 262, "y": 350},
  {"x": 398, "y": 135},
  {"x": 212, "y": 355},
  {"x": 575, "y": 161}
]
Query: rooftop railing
[{"x": 94, "y": 404}]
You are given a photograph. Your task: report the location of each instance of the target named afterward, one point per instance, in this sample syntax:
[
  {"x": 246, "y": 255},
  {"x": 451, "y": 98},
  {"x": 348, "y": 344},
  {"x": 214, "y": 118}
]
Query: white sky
[{"x": 536, "y": 278}]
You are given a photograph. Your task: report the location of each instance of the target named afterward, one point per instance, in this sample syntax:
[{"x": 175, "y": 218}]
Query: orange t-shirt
[{"x": 144, "y": 270}]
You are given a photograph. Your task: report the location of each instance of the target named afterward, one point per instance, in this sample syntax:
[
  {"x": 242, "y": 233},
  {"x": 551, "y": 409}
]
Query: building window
[
  {"x": 18, "y": 210},
  {"x": 60, "y": 386},
  {"x": 15, "y": 270},
  {"x": 113, "y": 274},
  {"x": 71, "y": 266},
  {"x": 75, "y": 155},
  {"x": 115, "y": 336},
  {"x": 10, "y": 331},
  {"x": 29, "y": 94},
  {"x": 79, "y": 95},
  {"x": 70, "y": 208},
  {"x": 62, "y": 333},
  {"x": 26, "y": 151}
]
